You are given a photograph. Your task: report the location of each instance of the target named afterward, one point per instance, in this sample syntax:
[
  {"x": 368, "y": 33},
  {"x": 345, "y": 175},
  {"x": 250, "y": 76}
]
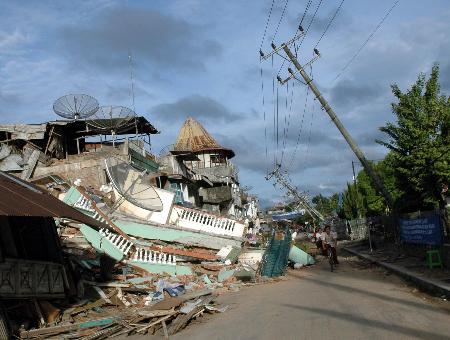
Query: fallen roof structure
[{"x": 20, "y": 198}]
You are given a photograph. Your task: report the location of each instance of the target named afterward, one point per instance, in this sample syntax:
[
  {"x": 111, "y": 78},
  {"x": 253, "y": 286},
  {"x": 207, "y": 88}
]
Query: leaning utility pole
[
  {"x": 300, "y": 198},
  {"x": 376, "y": 180},
  {"x": 367, "y": 167}
]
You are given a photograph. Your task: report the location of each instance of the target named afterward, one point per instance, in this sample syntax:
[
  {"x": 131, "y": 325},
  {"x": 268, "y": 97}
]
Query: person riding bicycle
[{"x": 329, "y": 240}]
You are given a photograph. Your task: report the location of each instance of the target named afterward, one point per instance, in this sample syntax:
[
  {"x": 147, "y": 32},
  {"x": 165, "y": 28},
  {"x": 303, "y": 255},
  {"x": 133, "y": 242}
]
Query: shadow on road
[
  {"x": 412, "y": 332},
  {"x": 354, "y": 290}
]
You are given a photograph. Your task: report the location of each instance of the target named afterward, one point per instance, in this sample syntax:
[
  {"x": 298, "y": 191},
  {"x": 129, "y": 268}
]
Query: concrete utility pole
[
  {"x": 300, "y": 198},
  {"x": 375, "y": 179}
]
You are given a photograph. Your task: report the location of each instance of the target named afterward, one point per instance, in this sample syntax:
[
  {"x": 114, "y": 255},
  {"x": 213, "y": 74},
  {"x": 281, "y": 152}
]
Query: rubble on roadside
[{"x": 149, "y": 260}]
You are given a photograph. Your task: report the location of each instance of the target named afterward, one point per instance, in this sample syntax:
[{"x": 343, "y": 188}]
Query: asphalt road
[{"x": 355, "y": 302}]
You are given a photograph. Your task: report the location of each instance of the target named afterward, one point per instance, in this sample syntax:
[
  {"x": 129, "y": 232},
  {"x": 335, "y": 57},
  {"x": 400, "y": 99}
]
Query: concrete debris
[{"x": 145, "y": 243}]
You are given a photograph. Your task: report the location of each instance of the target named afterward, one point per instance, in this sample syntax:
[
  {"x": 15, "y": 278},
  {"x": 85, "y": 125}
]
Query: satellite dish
[
  {"x": 75, "y": 106},
  {"x": 131, "y": 185},
  {"x": 112, "y": 118}
]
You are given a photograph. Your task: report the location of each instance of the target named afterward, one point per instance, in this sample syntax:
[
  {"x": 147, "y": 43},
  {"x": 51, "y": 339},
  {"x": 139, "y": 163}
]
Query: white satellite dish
[{"x": 132, "y": 185}]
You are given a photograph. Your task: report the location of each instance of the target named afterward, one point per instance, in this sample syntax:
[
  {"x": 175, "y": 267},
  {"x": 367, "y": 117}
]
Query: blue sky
[{"x": 200, "y": 58}]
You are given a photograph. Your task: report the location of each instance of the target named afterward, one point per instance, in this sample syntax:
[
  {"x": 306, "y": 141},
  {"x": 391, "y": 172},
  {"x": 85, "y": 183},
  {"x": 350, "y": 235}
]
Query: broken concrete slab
[{"x": 297, "y": 255}]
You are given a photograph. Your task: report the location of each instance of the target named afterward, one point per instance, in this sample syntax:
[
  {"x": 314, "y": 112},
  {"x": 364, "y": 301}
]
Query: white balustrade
[
  {"x": 117, "y": 241},
  {"x": 201, "y": 221},
  {"x": 83, "y": 203},
  {"x": 86, "y": 204},
  {"x": 150, "y": 256}
]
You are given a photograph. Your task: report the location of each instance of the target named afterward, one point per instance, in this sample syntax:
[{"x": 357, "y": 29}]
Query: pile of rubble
[
  {"x": 107, "y": 316},
  {"x": 116, "y": 241},
  {"x": 162, "y": 285}
]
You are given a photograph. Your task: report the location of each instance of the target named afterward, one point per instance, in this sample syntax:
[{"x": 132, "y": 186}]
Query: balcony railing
[{"x": 202, "y": 221}]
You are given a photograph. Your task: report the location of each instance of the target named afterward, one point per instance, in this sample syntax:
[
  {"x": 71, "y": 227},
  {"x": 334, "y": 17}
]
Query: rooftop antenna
[
  {"x": 130, "y": 64},
  {"x": 112, "y": 119},
  {"x": 75, "y": 106}
]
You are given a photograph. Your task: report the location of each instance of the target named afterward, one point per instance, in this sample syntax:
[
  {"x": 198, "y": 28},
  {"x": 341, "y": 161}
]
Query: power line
[
  {"x": 274, "y": 117},
  {"x": 291, "y": 162},
  {"x": 281, "y": 19},
  {"x": 306, "y": 10},
  {"x": 329, "y": 23},
  {"x": 367, "y": 40},
  {"x": 308, "y": 4},
  {"x": 264, "y": 115},
  {"x": 287, "y": 122},
  {"x": 267, "y": 24},
  {"x": 308, "y": 143},
  {"x": 310, "y": 23},
  {"x": 277, "y": 122}
]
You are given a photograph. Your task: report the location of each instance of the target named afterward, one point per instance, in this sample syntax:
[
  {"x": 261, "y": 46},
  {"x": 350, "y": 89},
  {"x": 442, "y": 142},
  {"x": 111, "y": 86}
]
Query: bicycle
[{"x": 330, "y": 258}]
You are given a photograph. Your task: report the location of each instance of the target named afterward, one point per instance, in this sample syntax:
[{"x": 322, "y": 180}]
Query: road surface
[{"x": 355, "y": 302}]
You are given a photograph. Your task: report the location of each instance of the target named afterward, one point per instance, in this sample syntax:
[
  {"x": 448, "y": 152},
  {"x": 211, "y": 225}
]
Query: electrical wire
[
  {"x": 366, "y": 41},
  {"x": 329, "y": 23},
  {"x": 308, "y": 4},
  {"x": 308, "y": 143},
  {"x": 267, "y": 24},
  {"x": 287, "y": 121},
  {"x": 310, "y": 23},
  {"x": 265, "y": 123},
  {"x": 281, "y": 19},
  {"x": 277, "y": 124},
  {"x": 301, "y": 124},
  {"x": 291, "y": 162},
  {"x": 274, "y": 116}
]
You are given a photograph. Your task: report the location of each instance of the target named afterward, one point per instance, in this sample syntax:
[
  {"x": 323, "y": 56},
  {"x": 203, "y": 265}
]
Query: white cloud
[{"x": 11, "y": 40}]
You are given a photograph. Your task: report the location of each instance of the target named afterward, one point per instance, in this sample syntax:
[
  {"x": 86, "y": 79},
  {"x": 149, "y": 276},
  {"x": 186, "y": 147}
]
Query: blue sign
[{"x": 422, "y": 230}]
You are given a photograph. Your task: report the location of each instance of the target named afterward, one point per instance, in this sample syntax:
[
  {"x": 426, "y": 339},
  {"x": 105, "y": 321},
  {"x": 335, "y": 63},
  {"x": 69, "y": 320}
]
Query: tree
[
  {"x": 372, "y": 203},
  {"x": 352, "y": 202},
  {"x": 419, "y": 143},
  {"x": 326, "y": 205}
]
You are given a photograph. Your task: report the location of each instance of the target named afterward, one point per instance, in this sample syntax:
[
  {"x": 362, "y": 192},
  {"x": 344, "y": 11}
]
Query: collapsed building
[
  {"x": 122, "y": 215},
  {"x": 74, "y": 149},
  {"x": 193, "y": 190}
]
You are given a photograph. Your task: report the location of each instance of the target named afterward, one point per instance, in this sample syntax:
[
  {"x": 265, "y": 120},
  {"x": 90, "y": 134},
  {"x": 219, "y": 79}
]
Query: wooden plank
[
  {"x": 103, "y": 215},
  {"x": 67, "y": 328},
  {"x": 98, "y": 303},
  {"x": 26, "y": 174},
  {"x": 181, "y": 321},
  {"x": 155, "y": 313},
  {"x": 166, "y": 335},
  {"x": 49, "y": 139},
  {"x": 102, "y": 294},
  {"x": 39, "y": 313},
  {"x": 154, "y": 323}
]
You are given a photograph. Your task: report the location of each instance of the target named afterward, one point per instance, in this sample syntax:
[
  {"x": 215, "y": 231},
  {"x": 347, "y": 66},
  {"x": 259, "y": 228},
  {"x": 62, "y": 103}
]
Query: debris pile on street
[
  {"x": 115, "y": 313},
  {"x": 117, "y": 240}
]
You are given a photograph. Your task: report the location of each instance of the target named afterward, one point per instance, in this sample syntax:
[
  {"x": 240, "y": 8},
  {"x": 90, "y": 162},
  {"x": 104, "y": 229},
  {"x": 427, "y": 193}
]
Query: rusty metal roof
[
  {"x": 193, "y": 137},
  {"x": 20, "y": 198}
]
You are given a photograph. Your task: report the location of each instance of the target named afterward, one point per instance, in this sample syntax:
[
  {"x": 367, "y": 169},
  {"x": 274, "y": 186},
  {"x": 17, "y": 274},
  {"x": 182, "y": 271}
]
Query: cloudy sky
[{"x": 200, "y": 58}]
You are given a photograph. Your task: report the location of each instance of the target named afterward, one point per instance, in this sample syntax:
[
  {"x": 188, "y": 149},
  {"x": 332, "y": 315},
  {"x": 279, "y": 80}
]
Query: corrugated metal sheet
[{"x": 20, "y": 198}]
